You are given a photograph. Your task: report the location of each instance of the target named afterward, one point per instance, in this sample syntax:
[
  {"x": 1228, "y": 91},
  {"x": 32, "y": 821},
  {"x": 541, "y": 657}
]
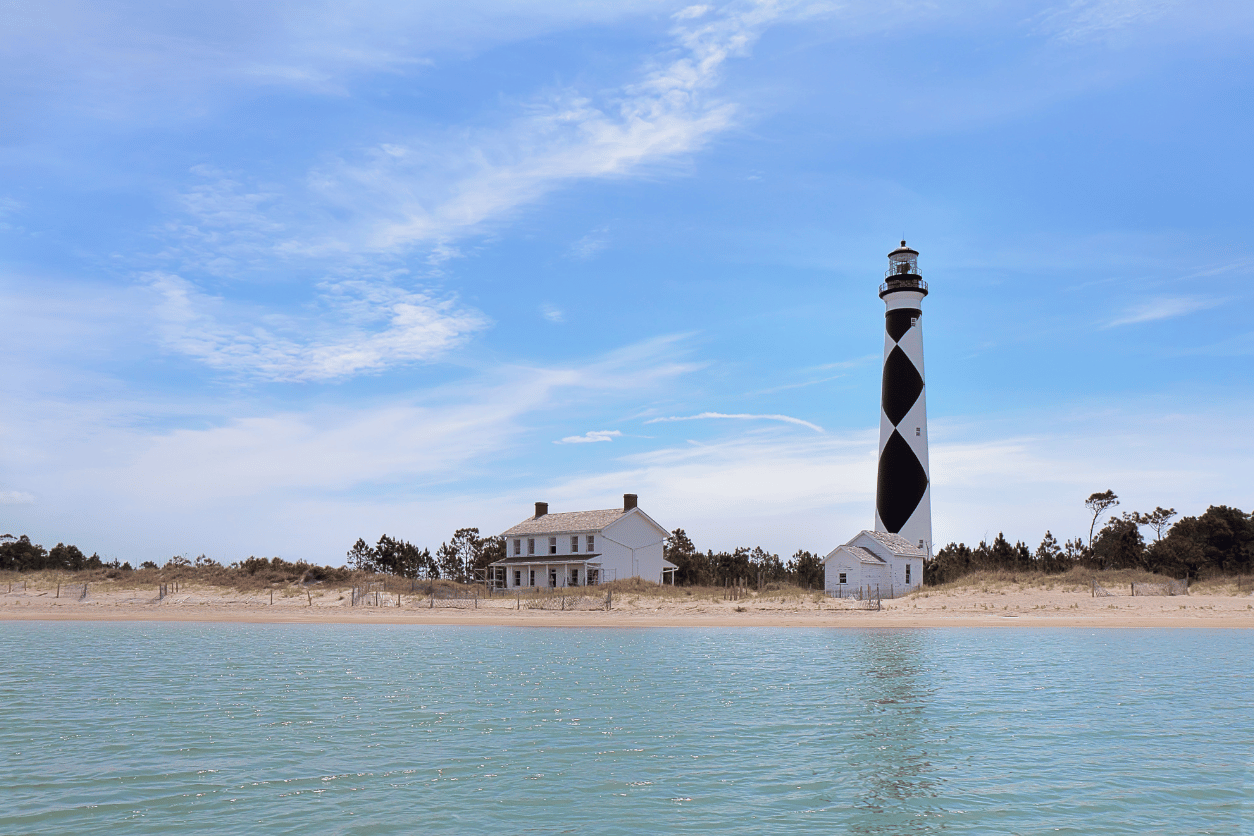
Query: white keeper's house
[
  {"x": 582, "y": 548},
  {"x": 885, "y": 562}
]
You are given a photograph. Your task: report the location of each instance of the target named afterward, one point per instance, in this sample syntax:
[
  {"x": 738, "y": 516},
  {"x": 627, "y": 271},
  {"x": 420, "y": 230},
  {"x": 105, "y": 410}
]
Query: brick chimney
[
  {"x": 629, "y": 502},
  {"x": 542, "y": 508}
]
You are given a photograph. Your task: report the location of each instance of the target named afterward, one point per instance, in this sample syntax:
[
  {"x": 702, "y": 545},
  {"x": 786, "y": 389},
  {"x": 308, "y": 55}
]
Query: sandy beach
[{"x": 1000, "y": 605}]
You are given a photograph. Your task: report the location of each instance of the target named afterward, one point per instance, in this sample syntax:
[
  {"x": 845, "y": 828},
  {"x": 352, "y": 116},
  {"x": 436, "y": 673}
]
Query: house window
[
  {"x": 920, "y": 544},
  {"x": 594, "y": 577},
  {"x": 552, "y": 577},
  {"x": 842, "y": 578},
  {"x": 591, "y": 541},
  {"x": 531, "y": 545},
  {"x": 518, "y": 547},
  {"x": 574, "y": 544},
  {"x": 918, "y": 431},
  {"x": 518, "y": 577},
  {"x": 907, "y": 573},
  {"x": 574, "y": 577},
  {"x": 552, "y": 545},
  {"x": 531, "y": 581}
]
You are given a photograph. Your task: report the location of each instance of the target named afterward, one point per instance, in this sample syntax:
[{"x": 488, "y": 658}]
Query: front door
[{"x": 553, "y": 577}]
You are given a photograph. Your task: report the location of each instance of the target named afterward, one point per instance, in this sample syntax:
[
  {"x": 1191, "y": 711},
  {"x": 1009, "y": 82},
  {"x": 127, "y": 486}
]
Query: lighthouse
[{"x": 903, "y": 492}]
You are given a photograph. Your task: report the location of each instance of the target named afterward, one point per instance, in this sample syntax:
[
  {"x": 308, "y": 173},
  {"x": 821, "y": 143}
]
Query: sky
[{"x": 275, "y": 276}]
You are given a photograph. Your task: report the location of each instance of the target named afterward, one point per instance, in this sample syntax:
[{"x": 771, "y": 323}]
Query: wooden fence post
[
  {"x": 58, "y": 590},
  {"x": 309, "y": 595}
]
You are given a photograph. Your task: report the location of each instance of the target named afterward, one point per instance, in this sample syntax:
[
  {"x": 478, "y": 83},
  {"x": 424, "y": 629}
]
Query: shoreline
[{"x": 962, "y": 607}]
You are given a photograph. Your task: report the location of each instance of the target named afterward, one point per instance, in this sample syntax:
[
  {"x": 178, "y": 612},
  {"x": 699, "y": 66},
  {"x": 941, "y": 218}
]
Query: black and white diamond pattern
[{"x": 902, "y": 484}]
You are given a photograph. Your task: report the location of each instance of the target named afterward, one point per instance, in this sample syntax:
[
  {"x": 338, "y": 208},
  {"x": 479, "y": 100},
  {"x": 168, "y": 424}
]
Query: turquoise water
[{"x": 273, "y": 729}]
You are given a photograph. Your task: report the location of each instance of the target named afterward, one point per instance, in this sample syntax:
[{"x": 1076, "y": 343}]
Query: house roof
[
  {"x": 568, "y": 522},
  {"x": 895, "y": 543}
]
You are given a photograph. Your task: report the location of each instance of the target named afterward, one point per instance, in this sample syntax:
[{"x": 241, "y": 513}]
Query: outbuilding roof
[
  {"x": 569, "y": 522},
  {"x": 896, "y": 544},
  {"x": 865, "y": 555}
]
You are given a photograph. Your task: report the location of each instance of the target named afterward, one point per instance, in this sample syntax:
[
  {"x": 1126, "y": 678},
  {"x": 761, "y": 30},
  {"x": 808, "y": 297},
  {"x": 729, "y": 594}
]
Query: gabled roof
[
  {"x": 895, "y": 543},
  {"x": 569, "y": 522},
  {"x": 865, "y": 555}
]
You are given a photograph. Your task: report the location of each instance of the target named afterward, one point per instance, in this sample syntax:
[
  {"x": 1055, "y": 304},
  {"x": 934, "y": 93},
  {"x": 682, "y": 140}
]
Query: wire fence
[
  {"x": 72, "y": 591},
  {"x": 583, "y": 602},
  {"x": 1168, "y": 588},
  {"x": 371, "y": 594},
  {"x": 458, "y": 599},
  {"x": 871, "y": 591}
]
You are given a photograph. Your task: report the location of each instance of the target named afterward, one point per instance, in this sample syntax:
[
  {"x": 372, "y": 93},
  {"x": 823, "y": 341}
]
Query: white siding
[
  {"x": 632, "y": 546},
  {"x": 857, "y": 573}
]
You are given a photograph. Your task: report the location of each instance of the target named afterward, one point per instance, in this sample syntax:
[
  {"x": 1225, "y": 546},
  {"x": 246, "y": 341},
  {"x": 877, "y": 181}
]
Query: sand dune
[{"x": 1008, "y": 605}]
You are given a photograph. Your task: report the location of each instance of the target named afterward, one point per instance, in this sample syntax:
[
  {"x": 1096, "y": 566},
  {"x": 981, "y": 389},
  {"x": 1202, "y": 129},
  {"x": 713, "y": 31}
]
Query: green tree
[
  {"x": 1158, "y": 520},
  {"x": 1119, "y": 545},
  {"x": 1049, "y": 556},
  {"x": 456, "y": 558},
  {"x": 1220, "y": 540},
  {"x": 361, "y": 557},
  {"x": 692, "y": 567},
  {"x": 66, "y": 557},
  {"x": 767, "y": 566},
  {"x": 1098, "y": 504},
  {"x": 490, "y": 550},
  {"x": 806, "y": 569},
  {"x": 948, "y": 565},
  {"x": 21, "y": 555}
]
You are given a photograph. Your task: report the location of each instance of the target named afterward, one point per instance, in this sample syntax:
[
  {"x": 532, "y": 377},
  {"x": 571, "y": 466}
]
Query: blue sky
[{"x": 276, "y": 276}]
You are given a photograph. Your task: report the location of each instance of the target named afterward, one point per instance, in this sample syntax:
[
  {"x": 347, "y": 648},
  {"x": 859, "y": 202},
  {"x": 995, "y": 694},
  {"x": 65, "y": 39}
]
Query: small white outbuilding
[{"x": 885, "y": 562}]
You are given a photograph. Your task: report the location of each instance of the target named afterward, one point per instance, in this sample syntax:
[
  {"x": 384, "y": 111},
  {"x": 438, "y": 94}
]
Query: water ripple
[{"x": 275, "y": 729}]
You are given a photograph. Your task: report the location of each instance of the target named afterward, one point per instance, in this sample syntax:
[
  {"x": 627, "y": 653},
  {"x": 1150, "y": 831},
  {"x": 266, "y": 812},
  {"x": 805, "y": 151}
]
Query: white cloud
[
  {"x": 809, "y": 491},
  {"x": 434, "y": 190},
  {"x": 119, "y": 59},
  {"x": 787, "y": 419},
  {"x": 1083, "y": 20},
  {"x": 590, "y": 244},
  {"x": 591, "y": 436},
  {"x": 364, "y": 328},
  {"x": 801, "y": 385},
  {"x": 15, "y": 498},
  {"x": 1165, "y": 307},
  {"x": 552, "y": 313},
  {"x": 692, "y": 12},
  {"x": 233, "y": 478}
]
